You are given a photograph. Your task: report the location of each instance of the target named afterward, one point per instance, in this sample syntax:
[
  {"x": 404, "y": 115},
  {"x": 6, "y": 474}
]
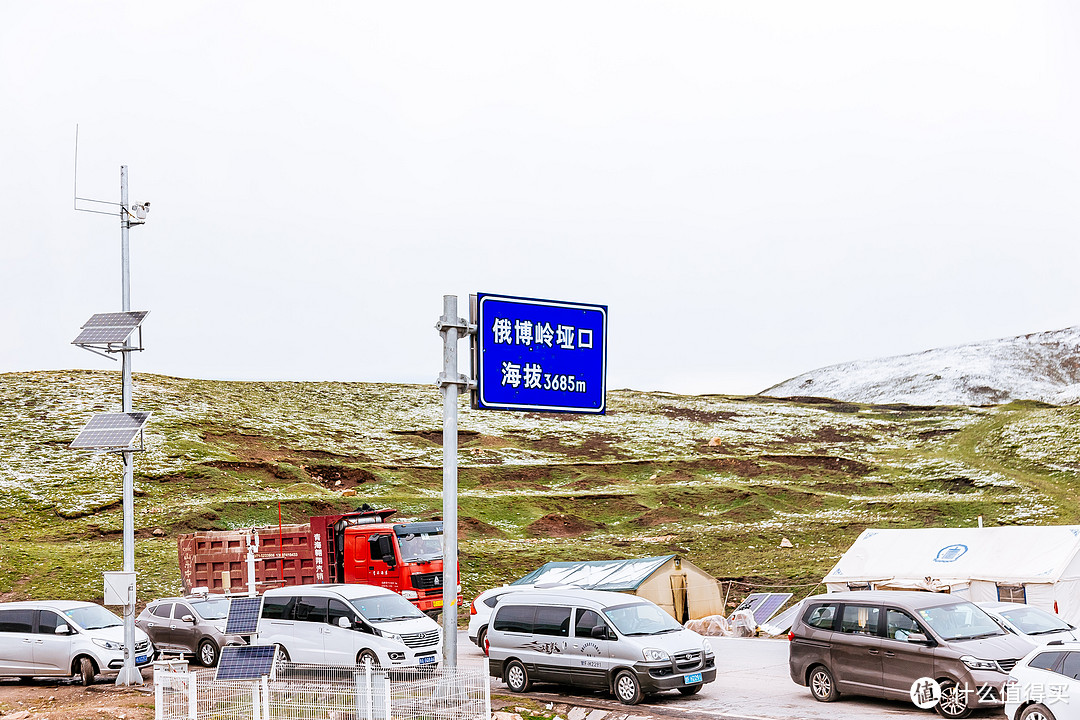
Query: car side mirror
[
  {"x": 599, "y": 632},
  {"x": 188, "y": 618},
  {"x": 62, "y": 630},
  {"x": 344, "y": 622},
  {"x": 918, "y": 638}
]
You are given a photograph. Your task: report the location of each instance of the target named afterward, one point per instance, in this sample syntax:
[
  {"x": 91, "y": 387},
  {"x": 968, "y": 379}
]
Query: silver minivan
[
  {"x": 62, "y": 638},
  {"x": 348, "y": 624},
  {"x": 595, "y": 639}
]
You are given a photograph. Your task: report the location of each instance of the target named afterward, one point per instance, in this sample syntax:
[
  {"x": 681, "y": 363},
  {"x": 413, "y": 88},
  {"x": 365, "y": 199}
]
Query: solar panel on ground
[
  {"x": 768, "y": 608},
  {"x": 751, "y": 602},
  {"x": 246, "y": 662},
  {"x": 106, "y": 328},
  {"x": 243, "y": 615},
  {"x": 782, "y": 622},
  {"x": 110, "y": 430}
]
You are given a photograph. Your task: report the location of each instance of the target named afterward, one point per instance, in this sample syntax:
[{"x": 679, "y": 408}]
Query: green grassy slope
[{"x": 718, "y": 479}]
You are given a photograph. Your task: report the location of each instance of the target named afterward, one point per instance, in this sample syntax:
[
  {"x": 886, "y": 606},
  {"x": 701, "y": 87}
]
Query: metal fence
[{"x": 321, "y": 692}]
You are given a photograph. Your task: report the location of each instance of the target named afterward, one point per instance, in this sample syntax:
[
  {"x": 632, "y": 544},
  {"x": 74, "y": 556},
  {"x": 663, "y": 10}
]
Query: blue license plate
[
  {"x": 692, "y": 678},
  {"x": 140, "y": 659},
  {"x": 427, "y": 659}
]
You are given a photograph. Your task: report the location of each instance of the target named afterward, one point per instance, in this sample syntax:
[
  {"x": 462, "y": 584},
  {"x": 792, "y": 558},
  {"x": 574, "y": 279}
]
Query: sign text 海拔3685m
[{"x": 540, "y": 355}]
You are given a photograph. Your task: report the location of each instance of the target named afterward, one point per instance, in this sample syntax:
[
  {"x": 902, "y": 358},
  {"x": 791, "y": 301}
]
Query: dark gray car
[
  {"x": 190, "y": 626},
  {"x": 878, "y": 643}
]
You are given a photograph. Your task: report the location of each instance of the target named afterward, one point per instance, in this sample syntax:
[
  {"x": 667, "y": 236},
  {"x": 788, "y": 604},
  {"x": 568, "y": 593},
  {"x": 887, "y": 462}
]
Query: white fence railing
[{"x": 321, "y": 692}]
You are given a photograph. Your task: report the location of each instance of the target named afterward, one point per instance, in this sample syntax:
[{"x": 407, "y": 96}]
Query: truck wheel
[
  {"x": 627, "y": 688},
  {"x": 208, "y": 653},
  {"x": 87, "y": 671},
  {"x": 367, "y": 656},
  {"x": 516, "y": 676}
]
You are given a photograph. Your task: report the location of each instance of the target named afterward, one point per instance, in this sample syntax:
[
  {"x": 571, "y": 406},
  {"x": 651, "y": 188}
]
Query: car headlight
[
  {"x": 108, "y": 644},
  {"x": 707, "y": 646},
  {"x": 978, "y": 664},
  {"x": 393, "y": 637},
  {"x": 655, "y": 655}
]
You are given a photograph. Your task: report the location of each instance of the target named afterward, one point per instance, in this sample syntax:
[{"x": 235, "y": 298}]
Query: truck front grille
[{"x": 427, "y": 581}]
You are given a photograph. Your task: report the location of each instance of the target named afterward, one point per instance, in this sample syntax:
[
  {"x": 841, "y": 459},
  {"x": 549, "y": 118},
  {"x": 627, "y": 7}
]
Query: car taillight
[
  {"x": 472, "y": 608},
  {"x": 791, "y": 635},
  {"x": 487, "y": 645}
]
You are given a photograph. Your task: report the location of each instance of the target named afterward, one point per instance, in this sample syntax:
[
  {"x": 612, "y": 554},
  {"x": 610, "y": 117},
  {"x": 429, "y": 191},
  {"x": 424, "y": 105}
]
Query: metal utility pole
[
  {"x": 129, "y": 674},
  {"x": 452, "y": 328}
]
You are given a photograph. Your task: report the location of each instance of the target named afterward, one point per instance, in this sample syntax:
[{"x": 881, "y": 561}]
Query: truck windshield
[
  {"x": 641, "y": 619},
  {"x": 93, "y": 617},
  {"x": 419, "y": 546},
  {"x": 384, "y": 608}
]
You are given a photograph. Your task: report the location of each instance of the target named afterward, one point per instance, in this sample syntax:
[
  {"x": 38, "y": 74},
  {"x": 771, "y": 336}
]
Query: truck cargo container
[{"x": 356, "y": 547}]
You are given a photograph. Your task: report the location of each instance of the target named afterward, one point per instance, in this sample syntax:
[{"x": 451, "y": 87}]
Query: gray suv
[
  {"x": 189, "y": 625},
  {"x": 878, "y": 643}
]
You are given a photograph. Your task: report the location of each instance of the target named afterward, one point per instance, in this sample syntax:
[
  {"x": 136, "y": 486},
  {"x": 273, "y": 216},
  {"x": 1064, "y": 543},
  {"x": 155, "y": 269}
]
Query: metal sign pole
[
  {"x": 452, "y": 328},
  {"x": 129, "y": 674}
]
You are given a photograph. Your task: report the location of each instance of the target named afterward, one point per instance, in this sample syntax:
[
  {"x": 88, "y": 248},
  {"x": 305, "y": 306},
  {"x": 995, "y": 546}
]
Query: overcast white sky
[{"x": 755, "y": 189}]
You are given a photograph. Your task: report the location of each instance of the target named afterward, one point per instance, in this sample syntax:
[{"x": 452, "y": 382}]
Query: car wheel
[
  {"x": 282, "y": 654},
  {"x": 87, "y": 671},
  {"x": 690, "y": 690},
  {"x": 480, "y": 638},
  {"x": 954, "y": 701},
  {"x": 366, "y": 657},
  {"x": 208, "y": 653},
  {"x": 627, "y": 688},
  {"x": 822, "y": 684},
  {"x": 1036, "y": 712},
  {"x": 516, "y": 676}
]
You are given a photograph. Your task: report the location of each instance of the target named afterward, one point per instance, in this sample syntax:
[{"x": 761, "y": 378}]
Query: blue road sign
[{"x": 541, "y": 355}]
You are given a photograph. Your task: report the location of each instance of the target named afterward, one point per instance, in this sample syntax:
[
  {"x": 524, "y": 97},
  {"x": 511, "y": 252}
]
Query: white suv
[{"x": 62, "y": 638}]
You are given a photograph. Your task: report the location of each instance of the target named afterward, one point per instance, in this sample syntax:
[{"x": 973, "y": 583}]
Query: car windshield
[
  {"x": 960, "y": 621},
  {"x": 420, "y": 546},
  {"x": 211, "y": 608},
  {"x": 93, "y": 617},
  {"x": 382, "y": 608},
  {"x": 641, "y": 619},
  {"x": 1034, "y": 621}
]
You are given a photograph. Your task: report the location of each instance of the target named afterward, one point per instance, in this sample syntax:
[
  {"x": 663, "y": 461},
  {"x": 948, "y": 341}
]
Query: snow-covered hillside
[{"x": 1041, "y": 366}]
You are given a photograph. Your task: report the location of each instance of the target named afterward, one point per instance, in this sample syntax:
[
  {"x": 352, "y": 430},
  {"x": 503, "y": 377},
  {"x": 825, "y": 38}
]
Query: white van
[
  {"x": 348, "y": 624},
  {"x": 62, "y": 638},
  {"x": 605, "y": 640}
]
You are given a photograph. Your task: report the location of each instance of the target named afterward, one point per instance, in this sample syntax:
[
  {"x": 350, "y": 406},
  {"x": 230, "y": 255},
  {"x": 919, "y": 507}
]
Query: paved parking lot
[{"x": 752, "y": 683}]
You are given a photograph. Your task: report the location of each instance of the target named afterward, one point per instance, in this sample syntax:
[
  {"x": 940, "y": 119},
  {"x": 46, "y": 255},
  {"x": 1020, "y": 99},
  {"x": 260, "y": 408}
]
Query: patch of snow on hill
[{"x": 1041, "y": 366}]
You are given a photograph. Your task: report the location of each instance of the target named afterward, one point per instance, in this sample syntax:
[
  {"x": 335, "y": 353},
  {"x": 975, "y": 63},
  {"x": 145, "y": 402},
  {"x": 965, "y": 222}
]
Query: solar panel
[
  {"x": 106, "y": 328},
  {"x": 110, "y": 430},
  {"x": 768, "y": 608},
  {"x": 751, "y": 602},
  {"x": 246, "y": 662},
  {"x": 782, "y": 622},
  {"x": 244, "y": 615}
]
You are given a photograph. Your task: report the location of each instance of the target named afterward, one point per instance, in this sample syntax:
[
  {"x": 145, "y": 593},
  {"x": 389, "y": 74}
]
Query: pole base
[{"x": 129, "y": 676}]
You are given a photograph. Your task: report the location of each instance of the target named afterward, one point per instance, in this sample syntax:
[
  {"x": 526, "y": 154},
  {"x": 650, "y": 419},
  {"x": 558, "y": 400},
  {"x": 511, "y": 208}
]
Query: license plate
[
  {"x": 427, "y": 659},
  {"x": 140, "y": 659},
  {"x": 438, "y": 603},
  {"x": 692, "y": 678}
]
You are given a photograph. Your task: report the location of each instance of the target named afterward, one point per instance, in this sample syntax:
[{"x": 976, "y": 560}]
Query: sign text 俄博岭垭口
[{"x": 540, "y": 355}]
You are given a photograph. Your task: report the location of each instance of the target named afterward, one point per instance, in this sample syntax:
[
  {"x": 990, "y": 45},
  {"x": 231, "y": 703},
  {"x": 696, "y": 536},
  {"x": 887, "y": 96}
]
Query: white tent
[{"x": 1036, "y": 565}]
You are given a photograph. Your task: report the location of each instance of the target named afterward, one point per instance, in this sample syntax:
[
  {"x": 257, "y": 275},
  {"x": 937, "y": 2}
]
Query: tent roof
[
  {"x": 615, "y": 575},
  {"x": 1004, "y": 554}
]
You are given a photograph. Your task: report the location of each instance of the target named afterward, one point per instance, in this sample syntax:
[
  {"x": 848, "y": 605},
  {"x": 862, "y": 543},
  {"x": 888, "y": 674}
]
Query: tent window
[
  {"x": 858, "y": 586},
  {"x": 1012, "y": 593}
]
